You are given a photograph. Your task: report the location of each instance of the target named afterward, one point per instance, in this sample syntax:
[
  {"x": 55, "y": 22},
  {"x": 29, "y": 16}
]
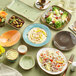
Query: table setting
[{"x": 37, "y": 38}]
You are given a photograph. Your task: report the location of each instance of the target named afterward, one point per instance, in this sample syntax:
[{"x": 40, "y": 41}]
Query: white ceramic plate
[{"x": 53, "y": 73}]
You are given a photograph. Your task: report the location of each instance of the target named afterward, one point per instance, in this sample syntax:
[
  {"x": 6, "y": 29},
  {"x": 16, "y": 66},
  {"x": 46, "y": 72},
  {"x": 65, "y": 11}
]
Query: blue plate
[{"x": 27, "y": 29}]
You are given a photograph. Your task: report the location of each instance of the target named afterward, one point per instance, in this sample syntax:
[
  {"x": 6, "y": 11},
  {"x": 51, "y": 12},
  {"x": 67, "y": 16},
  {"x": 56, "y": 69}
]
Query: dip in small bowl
[{"x": 12, "y": 55}]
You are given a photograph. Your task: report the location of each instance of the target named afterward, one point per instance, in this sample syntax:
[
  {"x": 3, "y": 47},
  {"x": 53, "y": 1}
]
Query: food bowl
[
  {"x": 12, "y": 55},
  {"x": 64, "y": 40},
  {"x": 27, "y": 62},
  {"x": 49, "y": 61},
  {"x": 9, "y": 38},
  {"x": 40, "y": 32},
  {"x": 56, "y": 17},
  {"x": 16, "y": 22},
  {"x": 22, "y": 49}
]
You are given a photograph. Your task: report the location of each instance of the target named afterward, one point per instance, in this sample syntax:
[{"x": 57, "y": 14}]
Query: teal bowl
[{"x": 28, "y": 28}]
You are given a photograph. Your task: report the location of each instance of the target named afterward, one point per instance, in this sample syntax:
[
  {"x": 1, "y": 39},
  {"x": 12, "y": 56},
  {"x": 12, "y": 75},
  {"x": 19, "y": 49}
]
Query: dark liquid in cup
[{"x": 43, "y": 1}]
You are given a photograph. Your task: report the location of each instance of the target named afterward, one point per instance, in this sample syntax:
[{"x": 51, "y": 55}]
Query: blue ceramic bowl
[{"x": 28, "y": 28}]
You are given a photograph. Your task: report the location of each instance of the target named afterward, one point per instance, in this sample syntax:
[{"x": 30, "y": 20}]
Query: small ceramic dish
[
  {"x": 37, "y": 35},
  {"x": 22, "y": 8},
  {"x": 16, "y": 22},
  {"x": 27, "y": 62},
  {"x": 9, "y": 38},
  {"x": 56, "y": 17},
  {"x": 52, "y": 61},
  {"x": 22, "y": 49},
  {"x": 12, "y": 55},
  {"x": 72, "y": 27},
  {"x": 43, "y": 6},
  {"x": 64, "y": 40}
]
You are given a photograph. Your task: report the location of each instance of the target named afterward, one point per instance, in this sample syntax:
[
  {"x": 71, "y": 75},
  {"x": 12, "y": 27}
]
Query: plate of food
[
  {"x": 56, "y": 17},
  {"x": 51, "y": 61},
  {"x": 37, "y": 35},
  {"x": 64, "y": 40}
]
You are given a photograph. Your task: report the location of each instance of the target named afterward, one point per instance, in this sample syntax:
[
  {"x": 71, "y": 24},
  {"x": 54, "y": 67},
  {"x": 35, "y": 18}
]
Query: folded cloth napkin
[{"x": 8, "y": 71}]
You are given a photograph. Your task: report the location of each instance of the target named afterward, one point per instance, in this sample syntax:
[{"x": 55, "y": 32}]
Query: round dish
[
  {"x": 12, "y": 55},
  {"x": 9, "y": 38},
  {"x": 53, "y": 53},
  {"x": 22, "y": 49},
  {"x": 64, "y": 40},
  {"x": 46, "y": 4},
  {"x": 27, "y": 29},
  {"x": 27, "y": 62}
]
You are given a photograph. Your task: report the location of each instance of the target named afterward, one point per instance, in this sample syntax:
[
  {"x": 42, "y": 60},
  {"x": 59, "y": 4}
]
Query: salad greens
[{"x": 56, "y": 18}]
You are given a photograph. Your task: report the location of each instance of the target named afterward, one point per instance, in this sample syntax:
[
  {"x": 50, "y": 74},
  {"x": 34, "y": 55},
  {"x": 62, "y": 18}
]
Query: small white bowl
[
  {"x": 49, "y": 72},
  {"x": 22, "y": 49}
]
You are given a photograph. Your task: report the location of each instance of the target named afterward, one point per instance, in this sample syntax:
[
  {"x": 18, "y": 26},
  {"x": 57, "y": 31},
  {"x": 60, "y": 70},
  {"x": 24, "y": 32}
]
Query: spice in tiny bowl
[
  {"x": 16, "y": 22},
  {"x": 22, "y": 49},
  {"x": 12, "y": 55}
]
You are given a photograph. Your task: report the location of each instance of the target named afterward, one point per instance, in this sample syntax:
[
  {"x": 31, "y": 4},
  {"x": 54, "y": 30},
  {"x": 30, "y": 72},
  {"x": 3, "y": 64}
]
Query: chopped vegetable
[
  {"x": 52, "y": 60},
  {"x": 56, "y": 18},
  {"x": 64, "y": 16},
  {"x": 56, "y": 10},
  {"x": 58, "y": 24}
]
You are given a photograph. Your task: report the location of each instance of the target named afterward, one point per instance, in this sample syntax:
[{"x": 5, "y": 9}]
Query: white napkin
[{"x": 8, "y": 71}]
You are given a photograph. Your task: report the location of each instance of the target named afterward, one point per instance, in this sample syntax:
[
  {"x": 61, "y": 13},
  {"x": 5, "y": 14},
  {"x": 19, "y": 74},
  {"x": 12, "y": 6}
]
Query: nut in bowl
[{"x": 51, "y": 60}]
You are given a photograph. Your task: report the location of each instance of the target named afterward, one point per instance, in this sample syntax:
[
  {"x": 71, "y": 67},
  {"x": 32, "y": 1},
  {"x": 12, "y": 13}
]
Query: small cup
[
  {"x": 73, "y": 66},
  {"x": 12, "y": 55},
  {"x": 22, "y": 49}
]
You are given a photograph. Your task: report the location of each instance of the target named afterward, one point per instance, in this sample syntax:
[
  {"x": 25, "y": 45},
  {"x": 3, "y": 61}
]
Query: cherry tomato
[
  {"x": 51, "y": 60},
  {"x": 58, "y": 66},
  {"x": 53, "y": 21},
  {"x": 54, "y": 14},
  {"x": 50, "y": 10},
  {"x": 61, "y": 13},
  {"x": 56, "y": 17}
]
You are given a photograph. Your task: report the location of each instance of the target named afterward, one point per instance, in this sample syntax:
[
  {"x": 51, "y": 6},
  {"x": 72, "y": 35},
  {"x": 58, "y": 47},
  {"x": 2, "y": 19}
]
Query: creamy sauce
[
  {"x": 37, "y": 35},
  {"x": 12, "y": 54}
]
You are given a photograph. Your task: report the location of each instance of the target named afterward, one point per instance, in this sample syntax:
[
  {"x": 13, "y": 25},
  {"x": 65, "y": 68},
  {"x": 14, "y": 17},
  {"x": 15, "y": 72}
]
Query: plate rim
[
  {"x": 37, "y": 45},
  {"x": 58, "y": 47},
  {"x": 44, "y": 68}
]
